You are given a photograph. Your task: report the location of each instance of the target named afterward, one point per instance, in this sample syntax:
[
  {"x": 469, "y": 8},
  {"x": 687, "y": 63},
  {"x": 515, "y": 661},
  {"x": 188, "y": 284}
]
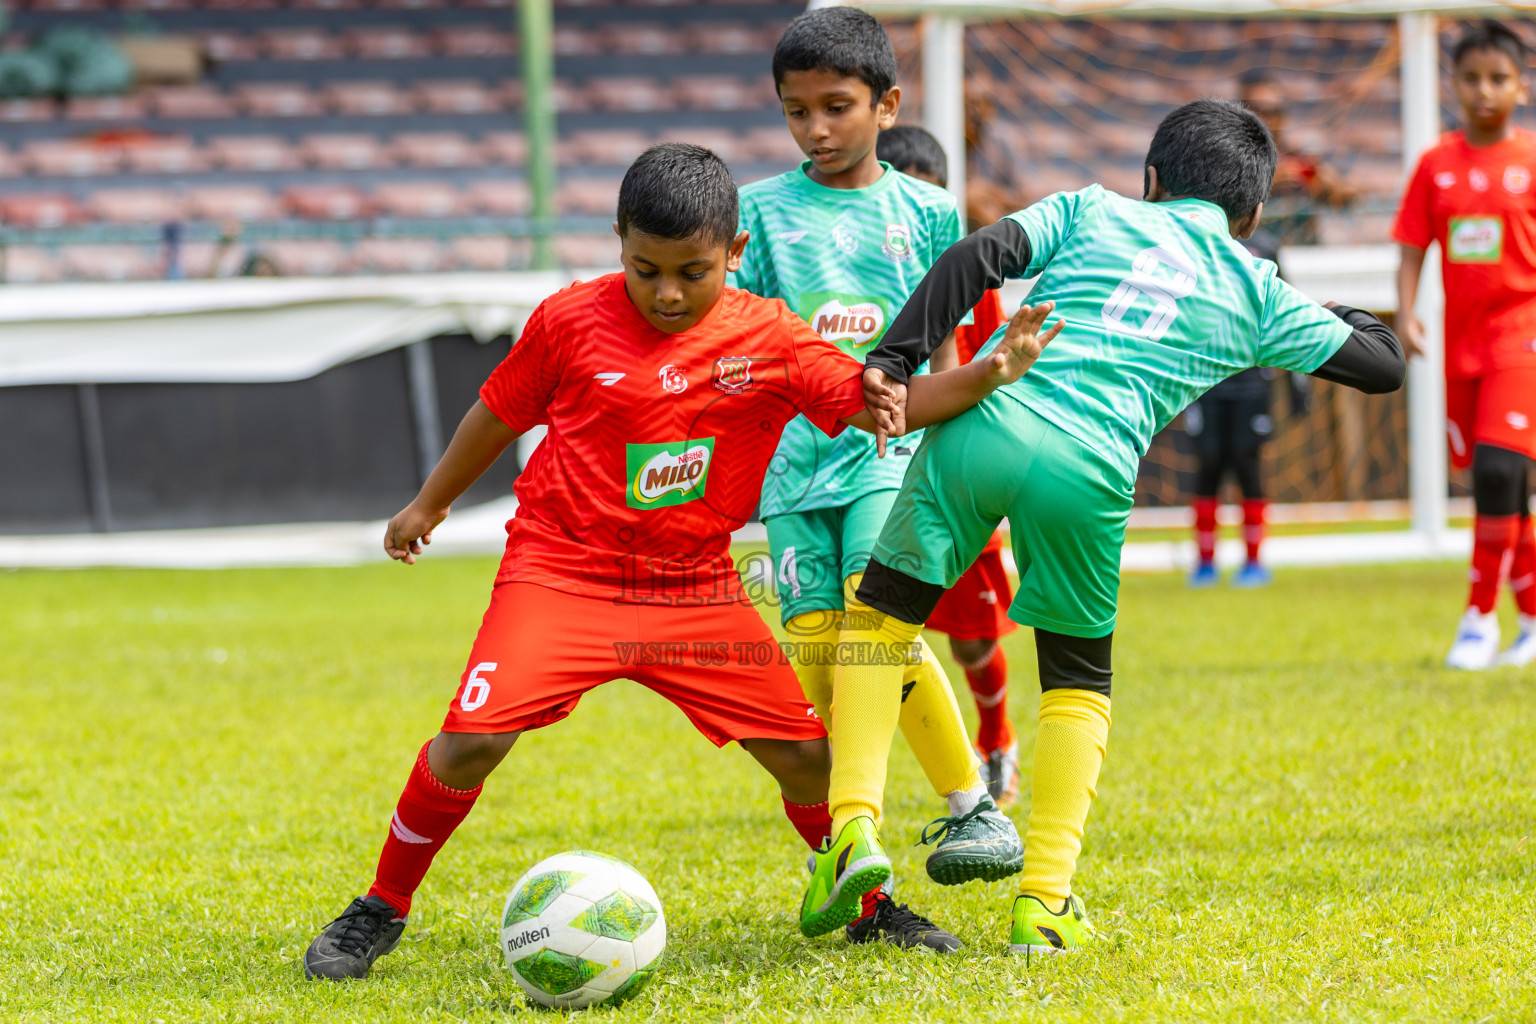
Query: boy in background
[
  {"x": 972, "y": 613},
  {"x": 1472, "y": 193}
]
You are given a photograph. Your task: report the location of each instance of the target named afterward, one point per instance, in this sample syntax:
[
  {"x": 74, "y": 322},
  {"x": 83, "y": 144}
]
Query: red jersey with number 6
[
  {"x": 1479, "y": 203},
  {"x": 658, "y": 443}
]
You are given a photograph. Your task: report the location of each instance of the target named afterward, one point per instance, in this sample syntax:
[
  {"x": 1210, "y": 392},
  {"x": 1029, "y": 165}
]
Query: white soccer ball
[{"x": 582, "y": 928}]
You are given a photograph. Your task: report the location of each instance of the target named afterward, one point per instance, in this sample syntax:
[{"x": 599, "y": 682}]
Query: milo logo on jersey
[
  {"x": 1475, "y": 240},
  {"x": 851, "y": 322},
  {"x": 661, "y": 475}
]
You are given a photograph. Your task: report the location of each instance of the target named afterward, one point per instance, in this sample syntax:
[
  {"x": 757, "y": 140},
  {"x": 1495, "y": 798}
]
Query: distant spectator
[
  {"x": 1303, "y": 181},
  {"x": 994, "y": 182},
  {"x": 259, "y": 265}
]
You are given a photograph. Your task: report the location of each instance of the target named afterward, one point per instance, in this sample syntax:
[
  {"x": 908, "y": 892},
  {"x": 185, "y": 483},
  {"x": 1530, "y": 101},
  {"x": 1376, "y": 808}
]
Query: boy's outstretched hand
[
  {"x": 410, "y": 529},
  {"x": 1022, "y": 344}
]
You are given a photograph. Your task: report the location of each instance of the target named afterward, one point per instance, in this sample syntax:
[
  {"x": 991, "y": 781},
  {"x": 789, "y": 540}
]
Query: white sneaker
[
  {"x": 1523, "y": 650},
  {"x": 1477, "y": 641}
]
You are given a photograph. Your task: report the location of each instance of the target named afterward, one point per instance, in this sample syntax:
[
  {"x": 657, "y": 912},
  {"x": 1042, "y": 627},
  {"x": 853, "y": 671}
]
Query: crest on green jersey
[
  {"x": 1475, "y": 240},
  {"x": 851, "y": 322},
  {"x": 898, "y": 243},
  {"x": 661, "y": 475}
]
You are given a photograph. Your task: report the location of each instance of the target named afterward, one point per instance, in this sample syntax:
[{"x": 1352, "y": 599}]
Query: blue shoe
[
  {"x": 1253, "y": 575},
  {"x": 1205, "y": 575}
]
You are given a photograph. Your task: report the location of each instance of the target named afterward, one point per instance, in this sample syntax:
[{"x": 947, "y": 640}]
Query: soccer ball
[{"x": 582, "y": 928}]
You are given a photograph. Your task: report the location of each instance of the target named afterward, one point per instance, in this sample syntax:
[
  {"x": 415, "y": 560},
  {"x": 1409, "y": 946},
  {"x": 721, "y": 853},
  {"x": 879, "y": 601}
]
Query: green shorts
[
  {"x": 1066, "y": 507},
  {"x": 813, "y": 552}
]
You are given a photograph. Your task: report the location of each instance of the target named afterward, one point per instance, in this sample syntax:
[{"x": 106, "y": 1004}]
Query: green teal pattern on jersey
[
  {"x": 1161, "y": 304},
  {"x": 845, "y": 260}
]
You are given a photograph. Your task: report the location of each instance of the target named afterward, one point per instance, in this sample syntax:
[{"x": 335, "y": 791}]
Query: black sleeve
[
  {"x": 954, "y": 284},
  {"x": 1370, "y": 360}
]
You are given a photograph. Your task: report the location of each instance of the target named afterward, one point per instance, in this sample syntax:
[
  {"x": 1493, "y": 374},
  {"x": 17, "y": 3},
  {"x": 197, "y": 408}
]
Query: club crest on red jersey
[
  {"x": 733, "y": 374},
  {"x": 673, "y": 379}
]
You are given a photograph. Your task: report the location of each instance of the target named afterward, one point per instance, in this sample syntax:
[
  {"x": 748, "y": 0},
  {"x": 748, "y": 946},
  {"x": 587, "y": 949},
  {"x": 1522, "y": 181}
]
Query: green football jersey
[
  {"x": 1161, "y": 304},
  {"x": 845, "y": 260}
]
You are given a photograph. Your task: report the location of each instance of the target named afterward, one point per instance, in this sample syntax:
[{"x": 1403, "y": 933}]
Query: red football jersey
[
  {"x": 1479, "y": 204},
  {"x": 657, "y": 442}
]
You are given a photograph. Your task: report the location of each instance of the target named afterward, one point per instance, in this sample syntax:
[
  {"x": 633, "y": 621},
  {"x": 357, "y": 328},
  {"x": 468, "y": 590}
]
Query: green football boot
[
  {"x": 1037, "y": 930},
  {"x": 842, "y": 871},
  {"x": 981, "y": 843}
]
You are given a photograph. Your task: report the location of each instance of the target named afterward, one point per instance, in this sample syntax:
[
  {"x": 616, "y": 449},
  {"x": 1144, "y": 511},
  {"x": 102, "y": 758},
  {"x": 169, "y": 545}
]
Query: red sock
[
  {"x": 989, "y": 685},
  {"x": 425, "y": 817},
  {"x": 1253, "y": 525},
  {"x": 1205, "y": 528},
  {"x": 1493, "y": 538},
  {"x": 1522, "y": 568},
  {"x": 812, "y": 821}
]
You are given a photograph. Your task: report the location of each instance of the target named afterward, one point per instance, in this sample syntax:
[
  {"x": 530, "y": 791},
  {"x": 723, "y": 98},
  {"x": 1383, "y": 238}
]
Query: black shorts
[{"x": 1229, "y": 424}]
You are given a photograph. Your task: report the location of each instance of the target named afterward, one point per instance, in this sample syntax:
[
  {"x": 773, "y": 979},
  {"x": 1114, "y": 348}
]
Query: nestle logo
[{"x": 527, "y": 938}]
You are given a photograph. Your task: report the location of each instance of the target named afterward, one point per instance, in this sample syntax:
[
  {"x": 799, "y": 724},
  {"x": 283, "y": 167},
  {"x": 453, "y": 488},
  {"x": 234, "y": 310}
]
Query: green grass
[{"x": 1301, "y": 817}]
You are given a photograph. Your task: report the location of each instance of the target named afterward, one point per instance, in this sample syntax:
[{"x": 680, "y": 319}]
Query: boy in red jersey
[
  {"x": 974, "y": 612},
  {"x": 665, "y": 395},
  {"x": 1472, "y": 193}
]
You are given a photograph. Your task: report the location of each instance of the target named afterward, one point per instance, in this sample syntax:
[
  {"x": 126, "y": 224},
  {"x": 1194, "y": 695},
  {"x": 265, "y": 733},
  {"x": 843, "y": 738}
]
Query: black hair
[
  {"x": 1491, "y": 35},
  {"x": 1217, "y": 151},
  {"x": 678, "y": 190},
  {"x": 909, "y": 148},
  {"x": 841, "y": 39}
]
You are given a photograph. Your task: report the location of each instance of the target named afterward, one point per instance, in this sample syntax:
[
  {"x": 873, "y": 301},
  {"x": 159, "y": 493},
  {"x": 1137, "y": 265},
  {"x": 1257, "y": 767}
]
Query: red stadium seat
[
  {"x": 223, "y": 44},
  {"x": 22, "y": 111},
  {"x": 254, "y": 153},
  {"x": 399, "y": 255},
  {"x": 308, "y": 257},
  {"x": 771, "y": 145},
  {"x": 53, "y": 6},
  {"x": 372, "y": 99},
  {"x": 707, "y": 37},
  {"x": 164, "y": 154},
  {"x": 10, "y": 164},
  {"x": 484, "y": 252},
  {"x": 587, "y": 250},
  {"x": 452, "y": 96},
  {"x": 596, "y": 196},
  {"x": 437, "y": 150},
  {"x": 233, "y": 202},
  {"x": 474, "y": 41},
  {"x": 630, "y": 94},
  {"x": 301, "y": 44},
  {"x": 507, "y": 149},
  {"x": 648, "y": 39},
  {"x": 725, "y": 143},
  {"x": 279, "y": 99},
  {"x": 39, "y": 210},
  {"x": 241, "y": 5},
  {"x": 420, "y": 199},
  {"x": 717, "y": 92},
  {"x": 491, "y": 5},
  {"x": 608, "y": 148},
  {"x": 73, "y": 158},
  {"x": 345, "y": 152},
  {"x": 136, "y": 206},
  {"x": 327, "y": 202},
  {"x": 190, "y": 101},
  {"x": 576, "y": 41},
  {"x": 390, "y": 42},
  {"x": 29, "y": 264},
  {"x": 109, "y": 263},
  {"x": 500, "y": 197},
  {"x": 326, "y": 5},
  {"x": 106, "y": 108},
  {"x": 413, "y": 5}
]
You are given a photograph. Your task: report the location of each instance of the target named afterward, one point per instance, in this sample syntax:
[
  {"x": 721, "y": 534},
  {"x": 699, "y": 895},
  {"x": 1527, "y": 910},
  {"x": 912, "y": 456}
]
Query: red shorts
[
  {"x": 1498, "y": 408},
  {"x": 539, "y": 650},
  {"x": 976, "y": 607}
]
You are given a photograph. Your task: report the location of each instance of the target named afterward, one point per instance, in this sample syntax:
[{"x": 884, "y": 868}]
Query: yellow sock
[
  {"x": 1069, "y": 748},
  {"x": 866, "y": 704},
  {"x": 814, "y": 639}
]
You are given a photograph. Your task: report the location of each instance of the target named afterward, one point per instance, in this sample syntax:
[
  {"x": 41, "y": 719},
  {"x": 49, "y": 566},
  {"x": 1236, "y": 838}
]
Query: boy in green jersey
[
  {"x": 842, "y": 240},
  {"x": 1160, "y": 302}
]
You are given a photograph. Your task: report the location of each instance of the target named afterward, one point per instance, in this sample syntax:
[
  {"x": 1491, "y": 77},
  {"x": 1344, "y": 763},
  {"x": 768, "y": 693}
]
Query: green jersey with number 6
[
  {"x": 845, "y": 260},
  {"x": 1161, "y": 304}
]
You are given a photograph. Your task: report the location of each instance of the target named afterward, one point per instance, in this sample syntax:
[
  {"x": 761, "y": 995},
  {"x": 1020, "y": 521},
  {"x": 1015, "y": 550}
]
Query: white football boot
[
  {"x": 1523, "y": 650},
  {"x": 1477, "y": 641}
]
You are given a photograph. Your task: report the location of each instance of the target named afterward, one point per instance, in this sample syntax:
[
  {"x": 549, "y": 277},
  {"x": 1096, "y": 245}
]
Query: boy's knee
[
  {"x": 797, "y": 761},
  {"x": 1074, "y": 662},
  {"x": 972, "y": 655},
  {"x": 1499, "y": 480},
  {"x": 462, "y": 760}
]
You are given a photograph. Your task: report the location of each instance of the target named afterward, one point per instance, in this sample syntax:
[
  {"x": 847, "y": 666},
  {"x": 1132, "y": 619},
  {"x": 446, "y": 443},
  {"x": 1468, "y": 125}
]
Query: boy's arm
[
  {"x": 1370, "y": 360},
  {"x": 1410, "y": 266},
  {"x": 480, "y": 439}
]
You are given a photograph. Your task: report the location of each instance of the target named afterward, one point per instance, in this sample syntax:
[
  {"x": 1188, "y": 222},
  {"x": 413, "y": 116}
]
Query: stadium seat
[
  {"x": 232, "y": 202},
  {"x": 631, "y": 94},
  {"x": 595, "y": 196},
  {"x": 388, "y": 42},
  {"x": 24, "y": 111},
  {"x": 420, "y": 199},
  {"x": 708, "y": 37},
  {"x": 300, "y": 44},
  {"x": 587, "y": 250},
  {"x": 109, "y": 263},
  {"x": 279, "y": 99},
  {"x": 326, "y": 5},
  {"x": 345, "y": 152},
  {"x": 226, "y": 45},
  {"x": 327, "y": 202},
  {"x": 568, "y": 97},
  {"x": 156, "y": 5},
  {"x": 649, "y": 39},
  {"x": 74, "y": 158},
  {"x": 370, "y": 99},
  {"x": 399, "y": 255},
  {"x": 506, "y": 149},
  {"x": 136, "y": 206},
  {"x": 28, "y": 264},
  {"x": 254, "y": 153},
  {"x": 10, "y": 164},
  {"x": 474, "y": 41},
  {"x": 62, "y": 6},
  {"x": 576, "y": 41},
  {"x": 771, "y": 145},
  {"x": 492, "y": 5},
  {"x": 718, "y": 92},
  {"x": 105, "y": 108},
  {"x": 190, "y": 101},
  {"x": 617, "y": 148},
  {"x": 499, "y": 197},
  {"x": 436, "y": 150},
  {"x": 725, "y": 143},
  {"x": 453, "y": 96},
  {"x": 413, "y": 5},
  {"x": 39, "y": 210},
  {"x": 485, "y": 252},
  {"x": 240, "y": 5},
  {"x": 307, "y": 257}
]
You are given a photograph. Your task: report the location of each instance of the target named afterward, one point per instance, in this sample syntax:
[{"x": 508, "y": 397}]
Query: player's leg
[
  {"x": 1501, "y": 479},
  {"x": 491, "y": 708},
  {"x": 1477, "y": 634},
  {"x": 1202, "y": 420},
  {"x": 1251, "y": 426},
  {"x": 806, "y": 552}
]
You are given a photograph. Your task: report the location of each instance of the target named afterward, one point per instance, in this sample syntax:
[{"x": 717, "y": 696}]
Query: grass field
[{"x": 1302, "y": 817}]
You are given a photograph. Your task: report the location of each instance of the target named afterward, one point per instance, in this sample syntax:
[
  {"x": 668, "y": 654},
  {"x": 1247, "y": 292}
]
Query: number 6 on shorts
[{"x": 476, "y": 690}]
